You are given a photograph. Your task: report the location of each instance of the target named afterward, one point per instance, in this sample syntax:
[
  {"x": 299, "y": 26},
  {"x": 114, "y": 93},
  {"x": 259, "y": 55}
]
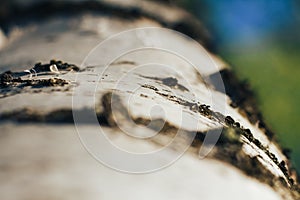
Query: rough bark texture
[{"x": 41, "y": 155}]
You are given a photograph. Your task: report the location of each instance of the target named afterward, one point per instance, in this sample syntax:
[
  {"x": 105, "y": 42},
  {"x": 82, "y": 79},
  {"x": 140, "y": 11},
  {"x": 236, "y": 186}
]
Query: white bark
[{"x": 48, "y": 161}]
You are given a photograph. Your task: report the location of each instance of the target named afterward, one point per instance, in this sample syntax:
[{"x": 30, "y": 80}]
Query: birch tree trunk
[{"x": 104, "y": 100}]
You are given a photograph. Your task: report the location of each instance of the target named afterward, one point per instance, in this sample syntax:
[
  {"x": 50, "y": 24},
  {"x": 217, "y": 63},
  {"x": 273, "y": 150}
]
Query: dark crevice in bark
[
  {"x": 230, "y": 141},
  {"x": 15, "y": 15},
  {"x": 244, "y": 99}
]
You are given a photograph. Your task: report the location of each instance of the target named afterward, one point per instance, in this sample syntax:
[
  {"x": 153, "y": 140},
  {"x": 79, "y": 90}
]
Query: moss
[
  {"x": 39, "y": 67},
  {"x": 12, "y": 83},
  {"x": 230, "y": 136}
]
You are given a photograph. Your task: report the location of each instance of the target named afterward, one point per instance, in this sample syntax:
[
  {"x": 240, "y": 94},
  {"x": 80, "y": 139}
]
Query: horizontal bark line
[{"x": 106, "y": 118}]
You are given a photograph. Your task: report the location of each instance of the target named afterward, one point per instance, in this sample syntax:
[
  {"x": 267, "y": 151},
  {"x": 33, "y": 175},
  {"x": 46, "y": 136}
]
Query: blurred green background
[{"x": 261, "y": 41}]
